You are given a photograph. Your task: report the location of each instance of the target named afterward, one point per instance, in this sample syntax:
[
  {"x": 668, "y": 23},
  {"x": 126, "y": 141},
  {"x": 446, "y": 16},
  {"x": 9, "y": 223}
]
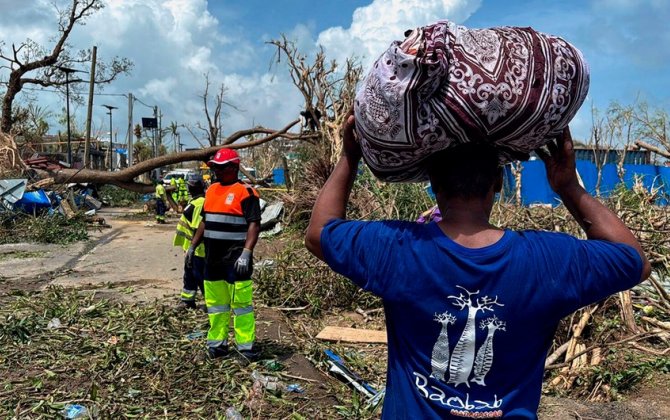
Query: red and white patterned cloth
[{"x": 446, "y": 84}]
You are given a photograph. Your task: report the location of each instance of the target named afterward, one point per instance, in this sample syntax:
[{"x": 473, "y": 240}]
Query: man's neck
[
  {"x": 226, "y": 183},
  {"x": 466, "y": 221}
]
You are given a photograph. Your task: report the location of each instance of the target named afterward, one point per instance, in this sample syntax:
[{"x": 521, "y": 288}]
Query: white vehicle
[{"x": 186, "y": 174}]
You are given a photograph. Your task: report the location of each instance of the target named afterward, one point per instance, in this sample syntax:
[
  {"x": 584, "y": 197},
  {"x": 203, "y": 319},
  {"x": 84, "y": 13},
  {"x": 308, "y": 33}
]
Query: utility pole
[
  {"x": 154, "y": 130},
  {"x": 67, "y": 72},
  {"x": 89, "y": 117},
  {"x": 111, "y": 135},
  {"x": 131, "y": 130}
]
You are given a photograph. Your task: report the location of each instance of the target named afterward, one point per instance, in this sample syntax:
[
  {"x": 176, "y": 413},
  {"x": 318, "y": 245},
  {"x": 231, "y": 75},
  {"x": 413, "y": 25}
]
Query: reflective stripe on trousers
[
  {"x": 221, "y": 297},
  {"x": 188, "y": 295}
]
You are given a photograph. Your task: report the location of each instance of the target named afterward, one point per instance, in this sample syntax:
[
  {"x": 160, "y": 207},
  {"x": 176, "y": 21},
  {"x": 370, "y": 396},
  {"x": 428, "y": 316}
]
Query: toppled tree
[
  {"x": 650, "y": 126},
  {"x": 30, "y": 63},
  {"x": 126, "y": 177}
]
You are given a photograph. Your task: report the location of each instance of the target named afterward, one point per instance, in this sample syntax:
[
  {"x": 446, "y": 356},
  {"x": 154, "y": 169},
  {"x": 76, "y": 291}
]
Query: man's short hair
[{"x": 468, "y": 170}]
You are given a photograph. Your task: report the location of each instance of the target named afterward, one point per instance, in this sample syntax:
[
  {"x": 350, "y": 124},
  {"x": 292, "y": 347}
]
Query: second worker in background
[{"x": 230, "y": 231}]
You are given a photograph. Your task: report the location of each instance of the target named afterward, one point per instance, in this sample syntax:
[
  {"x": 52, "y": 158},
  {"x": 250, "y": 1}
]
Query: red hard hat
[{"x": 224, "y": 156}]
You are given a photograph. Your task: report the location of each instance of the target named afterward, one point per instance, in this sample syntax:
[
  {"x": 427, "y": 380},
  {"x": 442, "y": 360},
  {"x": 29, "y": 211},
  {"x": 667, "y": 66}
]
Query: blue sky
[{"x": 174, "y": 42}]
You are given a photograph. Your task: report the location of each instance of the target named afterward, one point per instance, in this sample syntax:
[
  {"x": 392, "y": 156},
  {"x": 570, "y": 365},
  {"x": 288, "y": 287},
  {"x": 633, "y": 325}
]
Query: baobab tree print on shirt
[{"x": 466, "y": 363}]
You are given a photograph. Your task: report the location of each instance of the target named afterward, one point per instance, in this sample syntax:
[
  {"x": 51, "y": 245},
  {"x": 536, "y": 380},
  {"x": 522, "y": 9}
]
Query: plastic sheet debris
[
  {"x": 195, "y": 335},
  {"x": 92, "y": 203},
  {"x": 75, "y": 411},
  {"x": 270, "y": 383},
  {"x": 277, "y": 228},
  {"x": 273, "y": 365},
  {"x": 273, "y": 384},
  {"x": 295, "y": 388},
  {"x": 11, "y": 191},
  {"x": 265, "y": 264},
  {"x": 339, "y": 368},
  {"x": 132, "y": 393},
  {"x": 270, "y": 215},
  {"x": 33, "y": 201},
  {"x": 233, "y": 414},
  {"x": 54, "y": 324}
]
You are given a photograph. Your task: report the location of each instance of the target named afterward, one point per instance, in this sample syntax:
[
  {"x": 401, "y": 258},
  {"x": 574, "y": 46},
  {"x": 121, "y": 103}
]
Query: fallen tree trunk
[
  {"x": 126, "y": 177},
  {"x": 652, "y": 148}
]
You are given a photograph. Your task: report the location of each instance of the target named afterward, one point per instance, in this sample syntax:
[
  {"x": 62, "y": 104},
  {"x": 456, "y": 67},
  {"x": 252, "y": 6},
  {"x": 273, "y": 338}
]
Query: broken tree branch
[{"x": 125, "y": 178}]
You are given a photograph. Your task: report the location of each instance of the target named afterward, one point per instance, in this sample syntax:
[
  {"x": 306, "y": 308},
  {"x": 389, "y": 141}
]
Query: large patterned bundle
[{"x": 446, "y": 84}]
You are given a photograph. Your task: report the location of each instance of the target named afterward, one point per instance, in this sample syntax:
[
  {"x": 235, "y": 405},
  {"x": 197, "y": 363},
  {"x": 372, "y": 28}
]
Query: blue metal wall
[{"x": 535, "y": 188}]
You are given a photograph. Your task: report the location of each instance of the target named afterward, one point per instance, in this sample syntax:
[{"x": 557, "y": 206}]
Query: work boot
[
  {"x": 250, "y": 355},
  {"x": 217, "y": 352},
  {"x": 187, "y": 305}
]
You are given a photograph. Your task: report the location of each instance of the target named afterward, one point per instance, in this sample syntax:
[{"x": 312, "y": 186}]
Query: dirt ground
[{"x": 134, "y": 261}]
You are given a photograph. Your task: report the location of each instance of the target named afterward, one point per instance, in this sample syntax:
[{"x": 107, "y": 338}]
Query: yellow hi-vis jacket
[
  {"x": 186, "y": 228},
  {"x": 160, "y": 192}
]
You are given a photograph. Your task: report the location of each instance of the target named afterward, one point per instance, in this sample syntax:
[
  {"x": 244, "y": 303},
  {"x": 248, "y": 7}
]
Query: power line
[
  {"x": 125, "y": 95},
  {"x": 58, "y": 91},
  {"x": 137, "y": 100}
]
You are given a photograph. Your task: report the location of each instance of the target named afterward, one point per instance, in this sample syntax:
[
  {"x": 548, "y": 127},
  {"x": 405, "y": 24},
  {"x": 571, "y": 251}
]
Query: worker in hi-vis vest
[
  {"x": 160, "y": 197},
  {"x": 194, "y": 269},
  {"x": 182, "y": 192},
  {"x": 230, "y": 229}
]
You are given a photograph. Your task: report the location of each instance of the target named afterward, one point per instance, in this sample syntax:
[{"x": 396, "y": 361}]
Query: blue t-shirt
[{"x": 469, "y": 329}]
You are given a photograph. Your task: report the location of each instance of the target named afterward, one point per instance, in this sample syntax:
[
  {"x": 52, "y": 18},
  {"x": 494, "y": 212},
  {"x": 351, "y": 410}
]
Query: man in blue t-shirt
[{"x": 471, "y": 309}]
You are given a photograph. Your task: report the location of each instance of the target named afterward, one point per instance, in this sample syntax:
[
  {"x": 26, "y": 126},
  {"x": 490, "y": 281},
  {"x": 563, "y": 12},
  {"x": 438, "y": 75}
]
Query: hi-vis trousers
[{"x": 221, "y": 299}]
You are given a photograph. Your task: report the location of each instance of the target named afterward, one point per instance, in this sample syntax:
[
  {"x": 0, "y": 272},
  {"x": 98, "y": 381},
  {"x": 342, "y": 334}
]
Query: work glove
[
  {"x": 243, "y": 264},
  {"x": 189, "y": 257}
]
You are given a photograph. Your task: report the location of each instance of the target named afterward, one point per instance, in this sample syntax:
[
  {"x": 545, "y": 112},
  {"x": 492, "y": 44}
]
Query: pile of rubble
[{"x": 18, "y": 195}]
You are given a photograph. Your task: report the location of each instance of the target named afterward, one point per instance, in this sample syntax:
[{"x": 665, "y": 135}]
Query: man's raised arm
[
  {"x": 332, "y": 200},
  {"x": 598, "y": 221}
]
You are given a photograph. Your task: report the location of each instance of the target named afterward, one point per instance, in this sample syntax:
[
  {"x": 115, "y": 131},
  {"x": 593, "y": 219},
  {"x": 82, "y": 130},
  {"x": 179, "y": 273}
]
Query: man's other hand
[
  {"x": 189, "y": 257},
  {"x": 350, "y": 146},
  {"x": 560, "y": 163},
  {"x": 243, "y": 263}
]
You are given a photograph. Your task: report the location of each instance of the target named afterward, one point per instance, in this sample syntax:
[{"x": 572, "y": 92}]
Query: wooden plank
[{"x": 352, "y": 335}]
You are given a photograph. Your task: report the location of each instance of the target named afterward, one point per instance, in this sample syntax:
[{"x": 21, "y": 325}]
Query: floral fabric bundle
[{"x": 446, "y": 84}]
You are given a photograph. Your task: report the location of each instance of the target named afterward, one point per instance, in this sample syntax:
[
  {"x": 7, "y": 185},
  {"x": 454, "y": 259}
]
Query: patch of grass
[
  {"x": 114, "y": 196},
  {"x": 51, "y": 229},
  {"x": 126, "y": 360},
  {"x": 20, "y": 255},
  {"x": 623, "y": 372}
]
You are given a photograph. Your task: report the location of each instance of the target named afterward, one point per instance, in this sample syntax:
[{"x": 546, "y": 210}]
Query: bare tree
[
  {"x": 599, "y": 144},
  {"x": 621, "y": 119},
  {"x": 30, "y": 63},
  {"x": 214, "y": 127},
  {"x": 328, "y": 91}
]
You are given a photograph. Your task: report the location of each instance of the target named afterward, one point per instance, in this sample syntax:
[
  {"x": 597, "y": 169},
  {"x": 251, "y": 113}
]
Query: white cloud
[
  {"x": 374, "y": 27},
  {"x": 173, "y": 43}
]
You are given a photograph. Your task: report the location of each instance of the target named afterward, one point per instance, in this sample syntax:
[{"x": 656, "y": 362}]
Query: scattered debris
[
  {"x": 267, "y": 263},
  {"x": 54, "y": 324},
  {"x": 195, "y": 335},
  {"x": 233, "y": 414},
  {"x": 270, "y": 215},
  {"x": 76, "y": 411},
  {"x": 339, "y": 368},
  {"x": 11, "y": 191},
  {"x": 270, "y": 383},
  {"x": 277, "y": 228},
  {"x": 352, "y": 335},
  {"x": 295, "y": 388}
]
